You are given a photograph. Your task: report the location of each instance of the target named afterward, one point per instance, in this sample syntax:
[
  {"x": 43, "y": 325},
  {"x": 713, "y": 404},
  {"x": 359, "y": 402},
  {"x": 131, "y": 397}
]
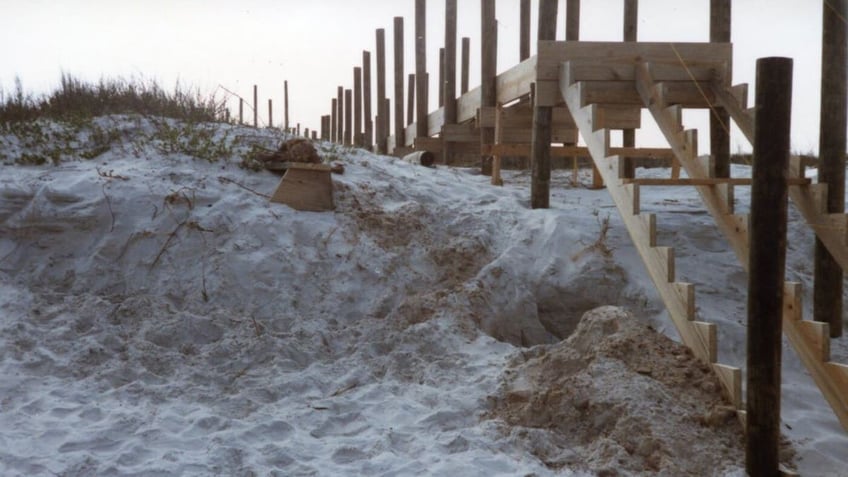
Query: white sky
[{"x": 315, "y": 45}]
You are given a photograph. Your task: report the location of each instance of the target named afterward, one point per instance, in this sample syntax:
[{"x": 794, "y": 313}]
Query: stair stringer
[{"x": 678, "y": 297}]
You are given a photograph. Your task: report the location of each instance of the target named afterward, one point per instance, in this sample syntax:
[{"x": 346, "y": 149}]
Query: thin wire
[{"x": 700, "y": 90}]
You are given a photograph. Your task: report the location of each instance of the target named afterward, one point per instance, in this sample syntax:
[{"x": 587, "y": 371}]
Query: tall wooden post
[
  {"x": 766, "y": 262},
  {"x": 466, "y": 60},
  {"x": 524, "y": 31},
  {"x": 488, "y": 73},
  {"x": 540, "y": 149},
  {"x": 441, "y": 77},
  {"x": 827, "y": 292},
  {"x": 628, "y": 136},
  {"x": 357, "y": 106},
  {"x": 449, "y": 74},
  {"x": 286, "y": 105},
  {"x": 421, "y": 107},
  {"x": 270, "y": 114},
  {"x": 572, "y": 20},
  {"x": 399, "y": 120},
  {"x": 719, "y": 118},
  {"x": 325, "y": 128},
  {"x": 255, "y": 107},
  {"x": 340, "y": 114},
  {"x": 348, "y": 119},
  {"x": 382, "y": 119},
  {"x": 410, "y": 104},
  {"x": 333, "y": 111},
  {"x": 241, "y": 111},
  {"x": 367, "y": 122}
]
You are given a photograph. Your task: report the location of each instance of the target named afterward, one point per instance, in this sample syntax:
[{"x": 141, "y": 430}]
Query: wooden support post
[
  {"x": 357, "y": 106},
  {"x": 449, "y": 74},
  {"x": 241, "y": 111},
  {"x": 270, "y": 113},
  {"x": 441, "y": 77},
  {"x": 572, "y": 20},
  {"x": 410, "y": 100},
  {"x": 255, "y": 106},
  {"x": 306, "y": 133},
  {"x": 298, "y": 129},
  {"x": 286, "y": 105},
  {"x": 524, "y": 31},
  {"x": 334, "y": 109},
  {"x": 767, "y": 261},
  {"x": 719, "y": 117},
  {"x": 314, "y": 135},
  {"x": 382, "y": 119},
  {"x": 348, "y": 118},
  {"x": 367, "y": 122},
  {"x": 496, "y": 159},
  {"x": 628, "y": 136},
  {"x": 400, "y": 128},
  {"x": 325, "y": 128},
  {"x": 488, "y": 73},
  {"x": 387, "y": 111},
  {"x": 421, "y": 108},
  {"x": 340, "y": 114},
  {"x": 540, "y": 149},
  {"x": 466, "y": 59},
  {"x": 827, "y": 292}
]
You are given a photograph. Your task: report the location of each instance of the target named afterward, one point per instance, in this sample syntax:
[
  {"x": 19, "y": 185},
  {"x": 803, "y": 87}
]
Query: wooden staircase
[{"x": 657, "y": 84}]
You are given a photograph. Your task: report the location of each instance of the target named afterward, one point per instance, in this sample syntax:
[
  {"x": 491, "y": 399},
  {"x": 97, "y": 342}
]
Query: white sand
[{"x": 175, "y": 323}]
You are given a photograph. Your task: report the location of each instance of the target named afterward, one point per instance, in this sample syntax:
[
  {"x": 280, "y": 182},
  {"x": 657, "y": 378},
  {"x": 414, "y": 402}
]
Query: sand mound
[{"x": 618, "y": 398}]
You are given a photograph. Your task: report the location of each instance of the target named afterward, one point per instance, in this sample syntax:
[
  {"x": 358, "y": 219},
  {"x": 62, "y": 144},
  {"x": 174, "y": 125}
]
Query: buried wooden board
[{"x": 305, "y": 190}]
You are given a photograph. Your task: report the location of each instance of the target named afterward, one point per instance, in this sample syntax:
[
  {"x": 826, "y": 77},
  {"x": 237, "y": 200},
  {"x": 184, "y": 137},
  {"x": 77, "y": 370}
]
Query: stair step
[
  {"x": 732, "y": 377},
  {"x": 650, "y": 223},
  {"x": 632, "y": 190},
  {"x": 689, "y": 139},
  {"x": 708, "y": 334},
  {"x": 751, "y": 114},
  {"x": 707, "y": 163},
  {"x": 686, "y": 294},
  {"x": 818, "y": 334},
  {"x": 675, "y": 114},
  {"x": 740, "y": 92},
  {"x": 793, "y": 294},
  {"x": 742, "y": 224},
  {"x": 665, "y": 256}
]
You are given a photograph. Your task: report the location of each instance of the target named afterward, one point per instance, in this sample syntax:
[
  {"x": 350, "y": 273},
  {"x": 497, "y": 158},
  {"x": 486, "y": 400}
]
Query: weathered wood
[
  {"x": 524, "y": 31},
  {"x": 523, "y": 150},
  {"x": 767, "y": 263},
  {"x": 630, "y": 33},
  {"x": 348, "y": 118},
  {"x": 719, "y": 117},
  {"x": 334, "y": 110},
  {"x": 540, "y": 156},
  {"x": 572, "y": 20},
  {"x": 421, "y": 108},
  {"x": 357, "y": 106},
  {"x": 305, "y": 190},
  {"x": 255, "y": 106},
  {"x": 449, "y": 69},
  {"x": 383, "y": 123},
  {"x": 340, "y": 114},
  {"x": 398, "y": 64},
  {"x": 496, "y": 158},
  {"x": 367, "y": 122},
  {"x": 704, "y": 181},
  {"x": 441, "y": 77},
  {"x": 466, "y": 59},
  {"x": 286, "y": 105},
  {"x": 241, "y": 111},
  {"x": 410, "y": 104},
  {"x": 827, "y": 292},
  {"x": 325, "y": 128},
  {"x": 488, "y": 72},
  {"x": 270, "y": 113}
]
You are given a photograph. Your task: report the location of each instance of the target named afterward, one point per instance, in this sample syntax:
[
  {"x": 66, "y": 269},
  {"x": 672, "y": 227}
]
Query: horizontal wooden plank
[
  {"x": 685, "y": 94},
  {"x": 599, "y": 69},
  {"x": 702, "y": 181},
  {"x": 578, "y": 151},
  {"x": 460, "y": 133}
]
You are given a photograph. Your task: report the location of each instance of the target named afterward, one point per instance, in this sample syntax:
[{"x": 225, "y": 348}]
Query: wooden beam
[
  {"x": 398, "y": 65},
  {"x": 367, "y": 121},
  {"x": 450, "y": 72},
  {"x": 524, "y": 31},
  {"x": 827, "y": 292},
  {"x": 340, "y": 114},
  {"x": 719, "y": 117},
  {"x": 630, "y": 30},
  {"x": 441, "y": 77},
  {"x": 357, "y": 107},
  {"x": 767, "y": 262},
  {"x": 348, "y": 126},
  {"x": 572, "y": 20},
  {"x": 410, "y": 104},
  {"x": 466, "y": 58},
  {"x": 383, "y": 123},
  {"x": 334, "y": 111},
  {"x": 421, "y": 108},
  {"x": 540, "y": 155},
  {"x": 488, "y": 72}
]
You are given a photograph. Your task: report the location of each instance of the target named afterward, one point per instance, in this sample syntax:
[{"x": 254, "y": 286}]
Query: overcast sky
[{"x": 315, "y": 44}]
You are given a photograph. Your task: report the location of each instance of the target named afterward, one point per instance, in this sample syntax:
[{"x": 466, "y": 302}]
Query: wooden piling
[
  {"x": 367, "y": 123},
  {"x": 270, "y": 113},
  {"x": 572, "y": 20},
  {"x": 348, "y": 118},
  {"x": 488, "y": 73},
  {"x": 298, "y": 130},
  {"x": 410, "y": 104},
  {"x": 827, "y": 291},
  {"x": 333, "y": 122},
  {"x": 399, "y": 60},
  {"x": 767, "y": 264},
  {"x": 286, "y": 105},
  {"x": 357, "y": 106},
  {"x": 524, "y": 31},
  {"x": 382, "y": 119},
  {"x": 466, "y": 61},
  {"x": 255, "y": 106},
  {"x": 628, "y": 136},
  {"x": 441, "y": 77},
  {"x": 540, "y": 149},
  {"x": 421, "y": 108},
  {"x": 325, "y": 128},
  {"x": 241, "y": 111},
  {"x": 340, "y": 114},
  {"x": 449, "y": 80},
  {"x": 719, "y": 117}
]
